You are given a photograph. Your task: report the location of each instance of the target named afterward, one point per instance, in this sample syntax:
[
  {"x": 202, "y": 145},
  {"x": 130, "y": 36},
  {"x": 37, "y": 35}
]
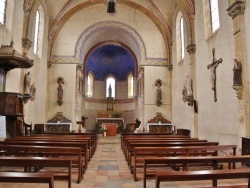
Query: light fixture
[{"x": 111, "y": 6}]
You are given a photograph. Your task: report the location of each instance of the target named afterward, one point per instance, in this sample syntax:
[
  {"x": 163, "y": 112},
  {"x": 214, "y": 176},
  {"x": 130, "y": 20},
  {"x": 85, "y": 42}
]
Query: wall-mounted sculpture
[
  {"x": 27, "y": 83},
  {"x": 187, "y": 92},
  {"x": 237, "y": 80},
  {"x": 60, "y": 81},
  {"x": 158, "y": 84},
  {"x": 29, "y": 89},
  {"x": 212, "y": 68}
]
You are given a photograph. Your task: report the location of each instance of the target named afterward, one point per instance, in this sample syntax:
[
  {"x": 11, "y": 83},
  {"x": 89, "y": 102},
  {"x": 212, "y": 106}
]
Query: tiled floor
[{"x": 108, "y": 169}]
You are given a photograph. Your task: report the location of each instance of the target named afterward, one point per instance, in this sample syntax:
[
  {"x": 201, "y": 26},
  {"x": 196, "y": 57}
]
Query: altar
[
  {"x": 111, "y": 122},
  {"x": 58, "y": 127},
  {"x": 160, "y": 128}
]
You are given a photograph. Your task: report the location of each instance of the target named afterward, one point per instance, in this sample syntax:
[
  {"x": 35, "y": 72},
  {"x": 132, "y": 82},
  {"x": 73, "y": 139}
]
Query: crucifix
[{"x": 212, "y": 68}]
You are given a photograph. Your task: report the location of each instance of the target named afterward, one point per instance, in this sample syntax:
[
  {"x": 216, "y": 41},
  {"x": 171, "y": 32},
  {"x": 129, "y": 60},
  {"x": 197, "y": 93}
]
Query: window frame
[
  {"x": 2, "y": 22},
  {"x": 90, "y": 86},
  {"x": 107, "y": 86},
  {"x": 130, "y": 85}
]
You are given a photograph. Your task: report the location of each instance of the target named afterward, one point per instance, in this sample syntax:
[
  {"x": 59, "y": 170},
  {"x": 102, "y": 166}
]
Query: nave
[{"x": 108, "y": 169}]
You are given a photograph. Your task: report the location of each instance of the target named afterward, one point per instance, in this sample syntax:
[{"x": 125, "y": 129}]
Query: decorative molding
[
  {"x": 170, "y": 67},
  {"x": 237, "y": 8},
  {"x": 26, "y": 43},
  {"x": 239, "y": 90},
  {"x": 191, "y": 48}
]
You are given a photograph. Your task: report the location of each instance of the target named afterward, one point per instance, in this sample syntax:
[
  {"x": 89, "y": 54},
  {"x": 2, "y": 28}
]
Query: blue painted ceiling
[{"x": 110, "y": 59}]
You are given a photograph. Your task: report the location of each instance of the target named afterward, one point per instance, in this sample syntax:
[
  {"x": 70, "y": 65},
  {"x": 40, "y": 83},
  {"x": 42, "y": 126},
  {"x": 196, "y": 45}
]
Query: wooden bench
[
  {"x": 213, "y": 175},
  {"x": 18, "y": 177},
  {"x": 140, "y": 140},
  {"x": 141, "y": 155},
  {"x": 28, "y": 162},
  {"x": 57, "y": 139},
  {"x": 72, "y": 153},
  {"x": 214, "y": 161},
  {"x": 125, "y": 136},
  {"x": 130, "y": 150},
  {"x": 93, "y": 136}
]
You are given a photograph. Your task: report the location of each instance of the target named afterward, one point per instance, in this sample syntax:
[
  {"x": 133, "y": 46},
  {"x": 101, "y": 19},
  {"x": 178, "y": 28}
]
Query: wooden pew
[
  {"x": 93, "y": 136},
  {"x": 141, "y": 154},
  {"x": 38, "y": 162},
  {"x": 73, "y": 153},
  {"x": 157, "y": 139},
  {"x": 124, "y": 136},
  {"x": 56, "y": 139},
  {"x": 129, "y": 153},
  {"x": 83, "y": 145},
  {"x": 213, "y": 175},
  {"x": 213, "y": 160},
  {"x": 18, "y": 177}
]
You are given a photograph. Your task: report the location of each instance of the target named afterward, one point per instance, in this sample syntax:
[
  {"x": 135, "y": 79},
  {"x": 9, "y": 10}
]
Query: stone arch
[
  {"x": 189, "y": 23},
  {"x": 61, "y": 20},
  {"x": 78, "y": 56}
]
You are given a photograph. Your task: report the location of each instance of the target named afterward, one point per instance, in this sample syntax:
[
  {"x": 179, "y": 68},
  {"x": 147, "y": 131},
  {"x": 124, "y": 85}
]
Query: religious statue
[
  {"x": 212, "y": 68},
  {"x": 27, "y": 83},
  {"x": 158, "y": 83},
  {"x": 60, "y": 81},
  {"x": 187, "y": 90},
  {"x": 110, "y": 90},
  {"x": 237, "y": 81},
  {"x": 33, "y": 91}
]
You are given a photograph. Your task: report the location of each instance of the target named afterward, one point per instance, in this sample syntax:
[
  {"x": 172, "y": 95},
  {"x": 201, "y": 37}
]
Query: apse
[{"x": 110, "y": 59}]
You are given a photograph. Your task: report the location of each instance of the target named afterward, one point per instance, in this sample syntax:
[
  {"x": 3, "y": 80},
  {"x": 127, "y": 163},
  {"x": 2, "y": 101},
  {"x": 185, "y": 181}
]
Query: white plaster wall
[
  {"x": 35, "y": 111},
  {"x": 67, "y": 38},
  {"x": 217, "y": 121},
  {"x": 13, "y": 30},
  {"x": 181, "y": 112},
  {"x": 68, "y": 72},
  {"x": 247, "y": 27},
  {"x": 152, "y": 73}
]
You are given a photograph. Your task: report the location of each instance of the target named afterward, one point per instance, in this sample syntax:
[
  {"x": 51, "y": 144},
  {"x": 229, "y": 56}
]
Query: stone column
[
  {"x": 194, "y": 116},
  {"x": 236, "y": 11}
]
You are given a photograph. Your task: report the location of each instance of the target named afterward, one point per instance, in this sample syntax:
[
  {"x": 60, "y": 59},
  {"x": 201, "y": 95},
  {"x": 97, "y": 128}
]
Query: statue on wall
[
  {"x": 27, "y": 83},
  {"x": 60, "y": 81},
  {"x": 110, "y": 90},
  {"x": 158, "y": 83},
  {"x": 33, "y": 92},
  {"x": 187, "y": 91},
  {"x": 212, "y": 68},
  {"x": 237, "y": 81},
  {"x": 79, "y": 80}
]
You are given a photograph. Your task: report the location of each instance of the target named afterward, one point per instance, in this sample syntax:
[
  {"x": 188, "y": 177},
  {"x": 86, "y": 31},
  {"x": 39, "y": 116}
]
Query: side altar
[
  {"x": 59, "y": 123},
  {"x": 116, "y": 122}
]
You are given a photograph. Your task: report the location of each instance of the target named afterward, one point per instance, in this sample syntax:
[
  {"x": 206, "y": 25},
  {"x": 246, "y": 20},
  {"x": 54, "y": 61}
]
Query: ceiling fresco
[{"x": 110, "y": 59}]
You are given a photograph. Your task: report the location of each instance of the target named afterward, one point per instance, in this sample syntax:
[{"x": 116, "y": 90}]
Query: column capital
[
  {"x": 170, "y": 67},
  {"x": 191, "y": 48},
  {"x": 237, "y": 8}
]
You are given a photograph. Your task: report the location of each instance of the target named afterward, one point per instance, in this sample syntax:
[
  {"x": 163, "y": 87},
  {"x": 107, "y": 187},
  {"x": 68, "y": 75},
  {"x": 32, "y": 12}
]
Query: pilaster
[
  {"x": 191, "y": 49},
  {"x": 236, "y": 11}
]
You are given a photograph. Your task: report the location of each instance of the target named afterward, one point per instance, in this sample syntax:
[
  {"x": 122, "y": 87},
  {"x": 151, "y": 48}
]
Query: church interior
[{"x": 105, "y": 72}]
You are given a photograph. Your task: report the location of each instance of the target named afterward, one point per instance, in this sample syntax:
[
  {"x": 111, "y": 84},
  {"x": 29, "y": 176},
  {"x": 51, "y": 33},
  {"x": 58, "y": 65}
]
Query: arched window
[
  {"x": 110, "y": 86},
  {"x": 211, "y": 17},
  {"x": 2, "y": 11},
  {"x": 214, "y": 14},
  {"x": 182, "y": 37},
  {"x": 130, "y": 85},
  {"x": 180, "y": 42},
  {"x": 37, "y": 23},
  {"x": 90, "y": 85}
]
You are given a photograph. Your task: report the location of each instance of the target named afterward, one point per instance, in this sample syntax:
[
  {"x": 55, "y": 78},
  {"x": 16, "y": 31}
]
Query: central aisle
[{"x": 108, "y": 169}]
